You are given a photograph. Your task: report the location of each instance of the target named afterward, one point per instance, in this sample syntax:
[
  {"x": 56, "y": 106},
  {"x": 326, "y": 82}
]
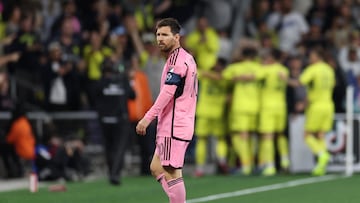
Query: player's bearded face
[{"x": 166, "y": 40}]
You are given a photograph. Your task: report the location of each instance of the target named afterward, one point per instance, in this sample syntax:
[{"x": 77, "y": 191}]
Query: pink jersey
[{"x": 175, "y": 106}]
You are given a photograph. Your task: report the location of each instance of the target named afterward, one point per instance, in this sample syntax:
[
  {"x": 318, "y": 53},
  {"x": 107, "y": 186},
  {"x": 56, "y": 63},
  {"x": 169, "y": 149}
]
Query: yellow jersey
[
  {"x": 273, "y": 88},
  {"x": 212, "y": 98},
  {"x": 319, "y": 79},
  {"x": 245, "y": 96}
]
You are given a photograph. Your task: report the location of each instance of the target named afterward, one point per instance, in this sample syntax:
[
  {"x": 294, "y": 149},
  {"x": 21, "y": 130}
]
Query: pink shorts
[{"x": 171, "y": 151}]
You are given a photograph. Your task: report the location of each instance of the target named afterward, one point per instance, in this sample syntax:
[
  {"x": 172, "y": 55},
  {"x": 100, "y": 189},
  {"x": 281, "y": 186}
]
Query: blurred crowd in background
[{"x": 53, "y": 55}]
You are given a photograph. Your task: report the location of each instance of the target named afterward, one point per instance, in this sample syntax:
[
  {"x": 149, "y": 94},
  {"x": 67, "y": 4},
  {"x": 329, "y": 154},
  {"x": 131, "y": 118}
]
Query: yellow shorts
[
  {"x": 205, "y": 127},
  {"x": 272, "y": 122},
  {"x": 318, "y": 120},
  {"x": 243, "y": 122}
]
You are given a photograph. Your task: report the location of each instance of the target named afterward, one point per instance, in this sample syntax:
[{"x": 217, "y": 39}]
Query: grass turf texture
[{"x": 147, "y": 190}]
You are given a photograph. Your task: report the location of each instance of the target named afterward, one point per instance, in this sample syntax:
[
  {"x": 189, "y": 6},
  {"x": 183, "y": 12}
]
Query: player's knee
[
  {"x": 155, "y": 169},
  {"x": 244, "y": 135},
  {"x": 268, "y": 136},
  {"x": 172, "y": 173},
  {"x": 320, "y": 135}
]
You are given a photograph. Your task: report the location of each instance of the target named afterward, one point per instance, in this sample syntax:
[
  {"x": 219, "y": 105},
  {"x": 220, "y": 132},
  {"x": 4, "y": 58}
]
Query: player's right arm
[
  {"x": 212, "y": 75},
  {"x": 244, "y": 78},
  {"x": 306, "y": 77},
  {"x": 232, "y": 74},
  {"x": 228, "y": 73}
]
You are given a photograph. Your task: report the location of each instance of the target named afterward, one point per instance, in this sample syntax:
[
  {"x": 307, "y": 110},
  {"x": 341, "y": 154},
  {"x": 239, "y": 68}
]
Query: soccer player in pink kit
[{"x": 175, "y": 110}]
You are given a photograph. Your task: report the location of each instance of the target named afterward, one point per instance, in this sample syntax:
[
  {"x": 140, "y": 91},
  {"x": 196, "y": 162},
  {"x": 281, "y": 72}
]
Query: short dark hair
[
  {"x": 172, "y": 23},
  {"x": 319, "y": 51},
  {"x": 249, "y": 52},
  {"x": 276, "y": 53},
  {"x": 222, "y": 61}
]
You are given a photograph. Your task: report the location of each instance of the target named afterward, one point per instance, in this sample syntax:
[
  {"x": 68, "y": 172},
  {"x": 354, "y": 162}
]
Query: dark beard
[{"x": 166, "y": 50}]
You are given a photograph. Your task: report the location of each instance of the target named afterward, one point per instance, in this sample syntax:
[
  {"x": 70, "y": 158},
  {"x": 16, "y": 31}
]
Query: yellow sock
[
  {"x": 313, "y": 144},
  {"x": 282, "y": 144},
  {"x": 261, "y": 159},
  {"x": 253, "y": 144},
  {"x": 221, "y": 149},
  {"x": 268, "y": 151},
  {"x": 231, "y": 157},
  {"x": 200, "y": 151},
  {"x": 242, "y": 149},
  {"x": 236, "y": 144}
]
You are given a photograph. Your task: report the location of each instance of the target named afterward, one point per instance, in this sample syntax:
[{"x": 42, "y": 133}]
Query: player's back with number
[
  {"x": 319, "y": 79},
  {"x": 273, "y": 91},
  {"x": 246, "y": 93}
]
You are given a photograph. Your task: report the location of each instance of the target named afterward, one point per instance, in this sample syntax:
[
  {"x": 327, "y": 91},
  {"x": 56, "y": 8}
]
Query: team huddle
[{"x": 247, "y": 100}]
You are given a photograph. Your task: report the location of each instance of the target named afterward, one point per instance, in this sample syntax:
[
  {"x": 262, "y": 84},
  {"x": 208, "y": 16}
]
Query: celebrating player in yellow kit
[
  {"x": 210, "y": 115},
  {"x": 273, "y": 112},
  {"x": 245, "y": 104},
  {"x": 319, "y": 79}
]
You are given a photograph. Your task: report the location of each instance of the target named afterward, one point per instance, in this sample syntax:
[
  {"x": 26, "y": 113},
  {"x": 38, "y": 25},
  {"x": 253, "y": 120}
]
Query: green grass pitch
[{"x": 147, "y": 190}]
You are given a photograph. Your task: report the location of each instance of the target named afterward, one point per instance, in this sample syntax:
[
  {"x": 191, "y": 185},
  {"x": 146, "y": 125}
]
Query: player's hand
[
  {"x": 141, "y": 126},
  {"x": 282, "y": 76}
]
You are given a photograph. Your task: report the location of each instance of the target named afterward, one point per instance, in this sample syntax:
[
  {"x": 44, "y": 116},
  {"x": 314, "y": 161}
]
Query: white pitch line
[{"x": 277, "y": 186}]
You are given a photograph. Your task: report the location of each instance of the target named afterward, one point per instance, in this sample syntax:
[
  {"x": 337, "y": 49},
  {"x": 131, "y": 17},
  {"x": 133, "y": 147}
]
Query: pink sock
[
  {"x": 176, "y": 190},
  {"x": 161, "y": 179}
]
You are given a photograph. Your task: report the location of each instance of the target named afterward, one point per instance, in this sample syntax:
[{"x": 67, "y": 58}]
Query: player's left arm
[
  {"x": 283, "y": 75},
  {"x": 305, "y": 78},
  {"x": 172, "y": 82},
  {"x": 167, "y": 93}
]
